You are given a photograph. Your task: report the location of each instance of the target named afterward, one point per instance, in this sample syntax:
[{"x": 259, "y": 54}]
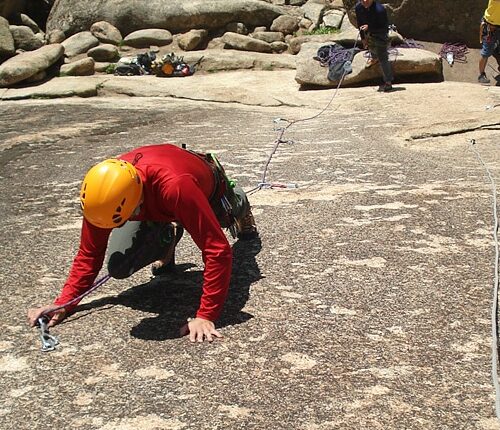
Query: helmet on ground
[{"x": 111, "y": 191}]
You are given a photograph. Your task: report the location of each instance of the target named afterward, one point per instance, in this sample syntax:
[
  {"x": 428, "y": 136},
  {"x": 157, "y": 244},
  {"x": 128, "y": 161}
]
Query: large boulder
[
  {"x": 82, "y": 67},
  {"x": 106, "y": 33},
  {"x": 245, "y": 43},
  {"x": 148, "y": 37},
  {"x": 79, "y": 43},
  {"x": 177, "y": 16},
  {"x": 407, "y": 64},
  {"x": 28, "y": 64},
  {"x": 7, "y": 47},
  {"x": 24, "y": 38},
  {"x": 433, "y": 20}
]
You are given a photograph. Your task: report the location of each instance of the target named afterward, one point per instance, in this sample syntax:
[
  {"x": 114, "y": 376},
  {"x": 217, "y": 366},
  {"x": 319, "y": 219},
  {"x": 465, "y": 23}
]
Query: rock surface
[
  {"x": 364, "y": 305},
  {"x": 79, "y": 43},
  {"x": 7, "y": 47},
  {"x": 176, "y": 15},
  {"x": 405, "y": 62},
  {"x": 25, "y": 65},
  {"x": 434, "y": 20}
]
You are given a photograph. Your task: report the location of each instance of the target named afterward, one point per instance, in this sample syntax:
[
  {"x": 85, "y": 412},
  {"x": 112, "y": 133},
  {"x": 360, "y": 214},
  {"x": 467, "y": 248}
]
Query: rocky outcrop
[
  {"x": 7, "y": 47},
  {"x": 146, "y": 38},
  {"x": 434, "y": 20},
  {"x": 406, "y": 63},
  {"x": 28, "y": 64},
  {"x": 24, "y": 38},
  {"x": 245, "y": 43},
  {"x": 106, "y": 33},
  {"x": 192, "y": 39},
  {"x": 79, "y": 43},
  {"x": 73, "y": 16},
  {"x": 83, "y": 67}
]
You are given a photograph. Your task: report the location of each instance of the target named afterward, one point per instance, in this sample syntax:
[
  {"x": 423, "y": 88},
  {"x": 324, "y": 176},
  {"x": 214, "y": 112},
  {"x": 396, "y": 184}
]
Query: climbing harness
[
  {"x": 494, "y": 308},
  {"x": 280, "y": 130},
  {"x": 454, "y": 52}
]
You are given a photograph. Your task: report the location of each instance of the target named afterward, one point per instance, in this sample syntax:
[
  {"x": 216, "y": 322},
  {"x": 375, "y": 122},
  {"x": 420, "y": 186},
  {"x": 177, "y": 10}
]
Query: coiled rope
[
  {"x": 454, "y": 52},
  {"x": 494, "y": 308}
]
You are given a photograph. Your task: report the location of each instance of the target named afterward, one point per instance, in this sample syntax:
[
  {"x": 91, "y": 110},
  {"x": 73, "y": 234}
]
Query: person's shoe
[
  {"x": 371, "y": 62},
  {"x": 483, "y": 79},
  {"x": 385, "y": 88},
  {"x": 247, "y": 229}
]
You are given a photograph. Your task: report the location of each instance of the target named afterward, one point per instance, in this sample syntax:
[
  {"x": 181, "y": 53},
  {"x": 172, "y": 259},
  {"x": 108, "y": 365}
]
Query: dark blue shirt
[{"x": 375, "y": 16}]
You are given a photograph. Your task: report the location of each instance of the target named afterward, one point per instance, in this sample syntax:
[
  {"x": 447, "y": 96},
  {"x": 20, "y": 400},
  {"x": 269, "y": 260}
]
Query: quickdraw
[{"x": 49, "y": 342}]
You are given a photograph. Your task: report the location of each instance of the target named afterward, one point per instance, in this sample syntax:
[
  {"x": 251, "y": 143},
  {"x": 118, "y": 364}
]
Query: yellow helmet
[{"x": 111, "y": 191}]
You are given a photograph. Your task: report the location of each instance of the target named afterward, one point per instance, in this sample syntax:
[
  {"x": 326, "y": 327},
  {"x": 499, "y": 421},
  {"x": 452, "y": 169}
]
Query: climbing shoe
[
  {"x": 483, "y": 79},
  {"x": 246, "y": 227}
]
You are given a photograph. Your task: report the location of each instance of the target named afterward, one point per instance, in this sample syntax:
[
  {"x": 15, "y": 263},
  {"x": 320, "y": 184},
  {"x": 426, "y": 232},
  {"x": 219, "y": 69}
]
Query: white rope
[{"x": 494, "y": 308}]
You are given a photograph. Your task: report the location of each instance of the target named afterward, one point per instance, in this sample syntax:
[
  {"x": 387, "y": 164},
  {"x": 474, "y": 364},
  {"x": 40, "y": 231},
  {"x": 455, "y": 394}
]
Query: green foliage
[
  {"x": 322, "y": 30},
  {"x": 110, "y": 69}
]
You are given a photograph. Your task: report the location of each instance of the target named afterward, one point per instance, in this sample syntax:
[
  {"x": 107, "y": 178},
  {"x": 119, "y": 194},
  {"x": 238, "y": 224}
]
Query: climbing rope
[
  {"x": 454, "y": 53},
  {"x": 344, "y": 55},
  {"x": 279, "y": 140},
  {"x": 494, "y": 308}
]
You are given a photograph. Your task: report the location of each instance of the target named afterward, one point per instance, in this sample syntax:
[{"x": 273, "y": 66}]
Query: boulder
[
  {"x": 27, "y": 64},
  {"x": 79, "y": 43},
  {"x": 55, "y": 36},
  {"x": 409, "y": 62},
  {"x": 24, "y": 38},
  {"x": 433, "y": 20},
  {"x": 106, "y": 33},
  {"x": 245, "y": 43},
  {"x": 83, "y": 67},
  {"x": 146, "y": 38},
  {"x": 28, "y": 22},
  {"x": 103, "y": 67},
  {"x": 177, "y": 16},
  {"x": 7, "y": 47},
  {"x": 230, "y": 59},
  {"x": 279, "y": 47},
  {"x": 286, "y": 24},
  {"x": 269, "y": 36},
  {"x": 237, "y": 27},
  {"x": 333, "y": 18},
  {"x": 40, "y": 76},
  {"x": 314, "y": 11},
  {"x": 192, "y": 39},
  {"x": 104, "y": 53}
]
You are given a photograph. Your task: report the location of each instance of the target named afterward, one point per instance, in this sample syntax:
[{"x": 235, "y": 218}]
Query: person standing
[
  {"x": 373, "y": 24},
  {"x": 490, "y": 38}
]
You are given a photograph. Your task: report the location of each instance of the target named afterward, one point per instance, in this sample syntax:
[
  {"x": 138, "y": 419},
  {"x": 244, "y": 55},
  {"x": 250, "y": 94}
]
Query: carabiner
[{"x": 49, "y": 342}]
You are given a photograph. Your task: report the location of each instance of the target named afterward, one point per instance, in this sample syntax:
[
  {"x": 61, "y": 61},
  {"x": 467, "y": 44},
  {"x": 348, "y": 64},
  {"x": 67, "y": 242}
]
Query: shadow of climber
[{"x": 175, "y": 296}]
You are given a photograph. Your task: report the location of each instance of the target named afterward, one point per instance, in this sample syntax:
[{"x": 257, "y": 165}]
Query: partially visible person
[
  {"x": 490, "y": 38},
  {"x": 144, "y": 199},
  {"x": 373, "y": 24}
]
